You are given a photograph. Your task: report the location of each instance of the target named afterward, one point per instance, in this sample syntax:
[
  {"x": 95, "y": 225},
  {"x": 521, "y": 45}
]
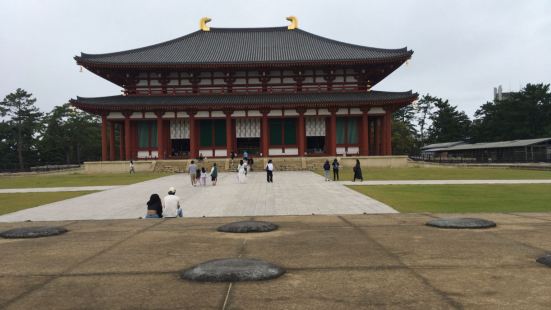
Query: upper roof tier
[{"x": 240, "y": 46}]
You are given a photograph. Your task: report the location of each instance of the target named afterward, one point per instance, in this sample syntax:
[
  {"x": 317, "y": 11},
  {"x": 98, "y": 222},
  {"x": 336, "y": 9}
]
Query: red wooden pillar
[
  {"x": 383, "y": 135},
  {"x": 160, "y": 136},
  {"x": 301, "y": 132},
  {"x": 364, "y": 134},
  {"x": 127, "y": 137},
  {"x": 332, "y": 143},
  {"x": 388, "y": 132},
  {"x": 103, "y": 137},
  {"x": 192, "y": 135},
  {"x": 121, "y": 142},
  {"x": 264, "y": 134},
  {"x": 111, "y": 141},
  {"x": 229, "y": 133},
  {"x": 378, "y": 136}
]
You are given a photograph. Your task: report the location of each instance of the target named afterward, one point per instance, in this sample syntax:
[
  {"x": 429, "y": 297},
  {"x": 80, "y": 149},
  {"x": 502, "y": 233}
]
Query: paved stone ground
[
  {"x": 292, "y": 193},
  {"x": 333, "y": 262}
]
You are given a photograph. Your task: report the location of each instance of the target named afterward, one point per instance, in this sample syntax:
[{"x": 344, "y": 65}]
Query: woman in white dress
[{"x": 241, "y": 176}]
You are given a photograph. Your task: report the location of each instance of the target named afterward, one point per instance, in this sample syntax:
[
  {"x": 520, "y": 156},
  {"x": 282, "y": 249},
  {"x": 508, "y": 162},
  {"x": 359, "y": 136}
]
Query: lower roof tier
[{"x": 98, "y": 105}]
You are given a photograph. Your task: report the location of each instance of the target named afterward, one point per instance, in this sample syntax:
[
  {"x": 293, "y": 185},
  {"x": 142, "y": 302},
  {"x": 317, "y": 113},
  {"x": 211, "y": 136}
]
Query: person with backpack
[
  {"x": 326, "y": 169},
  {"x": 336, "y": 170}
]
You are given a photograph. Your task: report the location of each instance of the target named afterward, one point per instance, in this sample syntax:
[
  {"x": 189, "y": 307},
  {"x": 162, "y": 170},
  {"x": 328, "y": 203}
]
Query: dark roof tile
[{"x": 246, "y": 45}]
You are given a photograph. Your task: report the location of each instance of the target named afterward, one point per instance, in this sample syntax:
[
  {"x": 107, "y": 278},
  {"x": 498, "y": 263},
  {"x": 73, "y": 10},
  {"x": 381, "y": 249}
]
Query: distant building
[
  {"x": 499, "y": 95},
  {"x": 529, "y": 150}
]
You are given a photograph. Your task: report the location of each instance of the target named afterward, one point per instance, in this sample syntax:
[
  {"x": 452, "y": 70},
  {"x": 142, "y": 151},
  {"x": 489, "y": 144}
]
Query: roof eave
[{"x": 93, "y": 64}]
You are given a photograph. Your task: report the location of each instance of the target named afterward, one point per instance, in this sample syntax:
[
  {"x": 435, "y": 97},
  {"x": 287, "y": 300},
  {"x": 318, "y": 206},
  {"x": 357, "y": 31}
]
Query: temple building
[{"x": 277, "y": 91}]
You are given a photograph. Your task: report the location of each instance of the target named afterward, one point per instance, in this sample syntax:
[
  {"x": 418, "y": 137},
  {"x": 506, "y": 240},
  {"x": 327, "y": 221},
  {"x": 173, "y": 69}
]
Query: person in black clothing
[
  {"x": 154, "y": 207},
  {"x": 358, "y": 172},
  {"x": 335, "y": 170},
  {"x": 326, "y": 169}
]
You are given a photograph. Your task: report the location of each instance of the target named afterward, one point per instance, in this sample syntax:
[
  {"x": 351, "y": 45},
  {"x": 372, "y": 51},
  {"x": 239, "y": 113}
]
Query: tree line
[
  {"x": 519, "y": 115},
  {"x": 29, "y": 137}
]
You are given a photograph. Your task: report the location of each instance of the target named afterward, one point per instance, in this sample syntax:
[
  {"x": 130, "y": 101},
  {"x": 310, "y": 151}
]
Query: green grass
[
  {"x": 443, "y": 174},
  {"x": 19, "y": 201},
  {"x": 76, "y": 179},
  {"x": 462, "y": 198}
]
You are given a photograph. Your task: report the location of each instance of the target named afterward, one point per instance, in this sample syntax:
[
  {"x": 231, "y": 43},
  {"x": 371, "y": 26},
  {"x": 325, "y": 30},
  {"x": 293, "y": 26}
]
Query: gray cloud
[{"x": 462, "y": 48}]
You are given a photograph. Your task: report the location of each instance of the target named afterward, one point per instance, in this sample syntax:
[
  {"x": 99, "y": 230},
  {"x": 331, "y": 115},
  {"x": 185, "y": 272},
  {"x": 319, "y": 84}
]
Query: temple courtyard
[
  {"x": 292, "y": 193},
  {"x": 341, "y": 248},
  {"x": 331, "y": 262}
]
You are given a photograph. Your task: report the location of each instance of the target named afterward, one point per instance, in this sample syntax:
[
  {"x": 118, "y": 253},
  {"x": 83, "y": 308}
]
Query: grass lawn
[
  {"x": 443, "y": 174},
  {"x": 19, "y": 201},
  {"x": 76, "y": 179},
  {"x": 462, "y": 198}
]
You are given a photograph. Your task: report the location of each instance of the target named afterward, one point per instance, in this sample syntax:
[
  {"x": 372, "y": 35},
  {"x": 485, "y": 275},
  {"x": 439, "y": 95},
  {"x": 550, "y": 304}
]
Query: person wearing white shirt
[
  {"x": 270, "y": 171},
  {"x": 171, "y": 207}
]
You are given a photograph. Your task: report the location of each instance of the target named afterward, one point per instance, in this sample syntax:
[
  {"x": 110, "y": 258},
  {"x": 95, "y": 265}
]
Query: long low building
[
  {"x": 528, "y": 150},
  {"x": 277, "y": 91}
]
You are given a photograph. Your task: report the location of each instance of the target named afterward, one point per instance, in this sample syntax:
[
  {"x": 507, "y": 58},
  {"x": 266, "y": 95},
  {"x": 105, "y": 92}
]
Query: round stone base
[
  {"x": 32, "y": 232},
  {"x": 232, "y": 270},
  {"x": 546, "y": 260},
  {"x": 461, "y": 223},
  {"x": 248, "y": 227}
]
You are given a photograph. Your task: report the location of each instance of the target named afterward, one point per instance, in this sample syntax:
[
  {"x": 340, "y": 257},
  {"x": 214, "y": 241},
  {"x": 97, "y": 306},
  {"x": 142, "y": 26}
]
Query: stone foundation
[{"x": 225, "y": 164}]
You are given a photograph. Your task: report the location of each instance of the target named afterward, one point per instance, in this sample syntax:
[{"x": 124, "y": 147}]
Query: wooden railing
[{"x": 256, "y": 89}]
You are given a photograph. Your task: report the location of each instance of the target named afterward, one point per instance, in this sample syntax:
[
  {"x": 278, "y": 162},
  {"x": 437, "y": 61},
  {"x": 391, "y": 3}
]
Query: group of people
[
  {"x": 357, "y": 169},
  {"x": 199, "y": 175},
  {"x": 170, "y": 208}
]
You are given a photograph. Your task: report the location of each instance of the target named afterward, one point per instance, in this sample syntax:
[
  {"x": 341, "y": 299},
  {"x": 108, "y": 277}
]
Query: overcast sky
[{"x": 463, "y": 48}]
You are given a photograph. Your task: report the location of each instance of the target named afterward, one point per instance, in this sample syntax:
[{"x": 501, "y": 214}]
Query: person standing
[
  {"x": 326, "y": 170},
  {"x": 172, "y": 204},
  {"x": 245, "y": 156},
  {"x": 132, "y": 167},
  {"x": 358, "y": 172},
  {"x": 336, "y": 170},
  {"x": 203, "y": 178},
  {"x": 192, "y": 169},
  {"x": 241, "y": 172},
  {"x": 270, "y": 172},
  {"x": 214, "y": 174},
  {"x": 154, "y": 207}
]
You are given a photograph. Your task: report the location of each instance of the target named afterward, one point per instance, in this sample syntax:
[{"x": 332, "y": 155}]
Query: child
[{"x": 203, "y": 177}]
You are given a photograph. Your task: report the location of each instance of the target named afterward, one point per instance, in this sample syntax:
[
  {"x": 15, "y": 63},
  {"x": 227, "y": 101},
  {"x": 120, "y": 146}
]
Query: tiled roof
[
  {"x": 247, "y": 45},
  {"x": 252, "y": 99},
  {"x": 497, "y": 145},
  {"x": 441, "y": 145}
]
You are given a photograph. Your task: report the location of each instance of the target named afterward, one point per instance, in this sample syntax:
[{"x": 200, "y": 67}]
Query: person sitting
[
  {"x": 172, "y": 204},
  {"x": 154, "y": 207}
]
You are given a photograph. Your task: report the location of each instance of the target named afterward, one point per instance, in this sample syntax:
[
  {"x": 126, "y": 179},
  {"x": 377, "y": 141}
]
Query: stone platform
[{"x": 332, "y": 262}]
